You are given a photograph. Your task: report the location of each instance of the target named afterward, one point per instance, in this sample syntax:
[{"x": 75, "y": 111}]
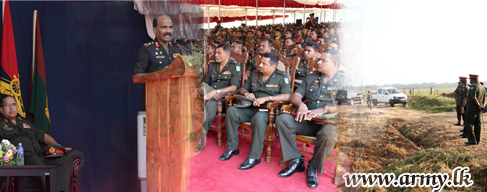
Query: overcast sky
[{"x": 415, "y": 41}]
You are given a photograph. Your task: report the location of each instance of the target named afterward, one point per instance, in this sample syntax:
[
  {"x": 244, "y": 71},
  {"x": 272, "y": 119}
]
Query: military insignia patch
[
  {"x": 271, "y": 85},
  {"x": 227, "y": 73},
  {"x": 26, "y": 126},
  {"x": 237, "y": 68},
  {"x": 52, "y": 150},
  {"x": 286, "y": 80},
  {"x": 6, "y": 127}
]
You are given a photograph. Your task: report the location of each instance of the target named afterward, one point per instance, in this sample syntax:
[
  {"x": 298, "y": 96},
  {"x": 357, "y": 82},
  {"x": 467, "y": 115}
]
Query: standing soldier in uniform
[
  {"x": 475, "y": 103},
  {"x": 460, "y": 94},
  {"x": 369, "y": 100},
  {"x": 318, "y": 89},
  {"x": 266, "y": 84},
  {"x": 223, "y": 78},
  {"x": 159, "y": 53}
]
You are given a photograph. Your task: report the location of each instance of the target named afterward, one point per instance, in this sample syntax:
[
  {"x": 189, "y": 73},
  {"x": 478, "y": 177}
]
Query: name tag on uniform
[
  {"x": 6, "y": 127},
  {"x": 271, "y": 85},
  {"x": 160, "y": 57},
  {"x": 227, "y": 73},
  {"x": 26, "y": 126}
]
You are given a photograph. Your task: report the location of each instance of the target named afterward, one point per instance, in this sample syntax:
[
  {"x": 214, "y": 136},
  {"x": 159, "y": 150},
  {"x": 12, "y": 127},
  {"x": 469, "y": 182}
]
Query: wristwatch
[
  {"x": 327, "y": 109},
  {"x": 218, "y": 91},
  {"x": 270, "y": 98}
]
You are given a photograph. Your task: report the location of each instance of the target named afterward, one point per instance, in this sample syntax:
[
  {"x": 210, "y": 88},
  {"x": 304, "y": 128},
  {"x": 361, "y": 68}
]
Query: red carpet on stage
[{"x": 208, "y": 173}]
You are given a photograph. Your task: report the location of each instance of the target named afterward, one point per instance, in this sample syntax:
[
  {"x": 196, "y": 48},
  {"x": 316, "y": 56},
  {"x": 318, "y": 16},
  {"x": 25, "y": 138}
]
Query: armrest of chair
[
  {"x": 230, "y": 99},
  {"x": 287, "y": 108},
  {"x": 78, "y": 160}
]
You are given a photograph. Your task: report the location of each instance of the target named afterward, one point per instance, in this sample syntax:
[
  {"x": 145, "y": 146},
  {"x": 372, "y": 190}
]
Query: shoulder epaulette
[{"x": 281, "y": 72}]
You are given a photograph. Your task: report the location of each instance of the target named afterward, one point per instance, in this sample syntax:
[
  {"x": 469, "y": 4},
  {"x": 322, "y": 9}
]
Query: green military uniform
[
  {"x": 369, "y": 99},
  {"x": 278, "y": 83},
  {"x": 302, "y": 69},
  {"x": 31, "y": 138},
  {"x": 473, "y": 114},
  {"x": 462, "y": 95},
  {"x": 318, "y": 94},
  {"x": 230, "y": 75},
  {"x": 458, "y": 108},
  {"x": 153, "y": 57}
]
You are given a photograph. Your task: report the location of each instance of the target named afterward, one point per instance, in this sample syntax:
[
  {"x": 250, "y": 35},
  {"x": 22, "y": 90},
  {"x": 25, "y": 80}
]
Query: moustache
[{"x": 167, "y": 34}]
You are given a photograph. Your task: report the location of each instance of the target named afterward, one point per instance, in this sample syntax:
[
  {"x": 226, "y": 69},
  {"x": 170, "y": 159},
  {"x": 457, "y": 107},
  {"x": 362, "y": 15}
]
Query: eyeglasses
[{"x": 10, "y": 105}]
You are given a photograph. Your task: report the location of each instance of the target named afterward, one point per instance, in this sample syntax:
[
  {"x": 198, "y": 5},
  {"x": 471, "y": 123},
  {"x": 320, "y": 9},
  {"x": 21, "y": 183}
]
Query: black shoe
[
  {"x": 464, "y": 136},
  {"x": 312, "y": 179},
  {"x": 201, "y": 142},
  {"x": 249, "y": 164},
  {"x": 471, "y": 143},
  {"x": 228, "y": 154},
  {"x": 458, "y": 124},
  {"x": 461, "y": 130},
  {"x": 295, "y": 165}
]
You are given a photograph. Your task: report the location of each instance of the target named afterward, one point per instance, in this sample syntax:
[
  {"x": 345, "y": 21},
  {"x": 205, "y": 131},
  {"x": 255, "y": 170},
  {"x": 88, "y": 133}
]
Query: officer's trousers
[
  {"x": 326, "y": 138},
  {"x": 459, "y": 113},
  {"x": 63, "y": 172},
  {"x": 259, "y": 121},
  {"x": 211, "y": 108},
  {"x": 473, "y": 125}
]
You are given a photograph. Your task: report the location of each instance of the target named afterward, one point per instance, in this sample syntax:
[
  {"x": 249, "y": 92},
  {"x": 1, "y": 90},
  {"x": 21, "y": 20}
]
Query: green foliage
[
  {"x": 196, "y": 59},
  {"x": 404, "y": 133},
  {"x": 431, "y": 105},
  {"x": 10, "y": 163}
]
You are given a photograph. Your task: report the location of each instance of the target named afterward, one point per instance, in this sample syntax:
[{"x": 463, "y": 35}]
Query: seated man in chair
[
  {"x": 265, "y": 84},
  {"x": 224, "y": 77},
  {"x": 318, "y": 89},
  {"x": 19, "y": 130}
]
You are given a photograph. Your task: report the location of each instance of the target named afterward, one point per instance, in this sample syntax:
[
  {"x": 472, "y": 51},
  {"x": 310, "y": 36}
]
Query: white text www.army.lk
[{"x": 459, "y": 178}]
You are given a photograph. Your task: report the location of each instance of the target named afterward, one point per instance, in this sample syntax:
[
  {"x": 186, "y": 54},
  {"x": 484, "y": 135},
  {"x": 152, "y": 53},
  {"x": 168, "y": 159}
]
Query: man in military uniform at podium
[{"x": 159, "y": 53}]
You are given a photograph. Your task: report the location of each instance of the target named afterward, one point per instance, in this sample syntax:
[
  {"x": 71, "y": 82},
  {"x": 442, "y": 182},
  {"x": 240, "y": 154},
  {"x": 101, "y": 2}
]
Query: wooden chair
[
  {"x": 310, "y": 140},
  {"x": 277, "y": 45},
  {"x": 291, "y": 64},
  {"x": 272, "y": 107}
]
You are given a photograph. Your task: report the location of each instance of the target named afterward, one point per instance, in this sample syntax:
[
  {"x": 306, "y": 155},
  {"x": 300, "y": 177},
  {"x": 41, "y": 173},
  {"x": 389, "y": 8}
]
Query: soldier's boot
[{"x": 200, "y": 142}]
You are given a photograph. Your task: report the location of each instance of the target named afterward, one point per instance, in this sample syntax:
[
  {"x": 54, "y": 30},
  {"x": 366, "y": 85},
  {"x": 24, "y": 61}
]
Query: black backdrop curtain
[{"x": 89, "y": 50}]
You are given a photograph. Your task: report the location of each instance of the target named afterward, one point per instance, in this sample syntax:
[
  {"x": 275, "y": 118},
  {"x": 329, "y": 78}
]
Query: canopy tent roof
[
  {"x": 328, "y": 4},
  {"x": 236, "y": 11}
]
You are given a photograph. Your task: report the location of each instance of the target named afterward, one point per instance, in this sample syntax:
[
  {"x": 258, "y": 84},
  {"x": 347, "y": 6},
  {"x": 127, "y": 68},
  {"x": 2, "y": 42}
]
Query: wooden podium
[{"x": 170, "y": 120}]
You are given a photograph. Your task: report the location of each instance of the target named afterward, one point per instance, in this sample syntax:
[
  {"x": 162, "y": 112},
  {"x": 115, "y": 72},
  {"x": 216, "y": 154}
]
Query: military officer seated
[
  {"x": 19, "y": 130},
  {"x": 223, "y": 78},
  {"x": 310, "y": 53},
  {"x": 264, "y": 85},
  {"x": 265, "y": 46},
  {"x": 317, "y": 88}
]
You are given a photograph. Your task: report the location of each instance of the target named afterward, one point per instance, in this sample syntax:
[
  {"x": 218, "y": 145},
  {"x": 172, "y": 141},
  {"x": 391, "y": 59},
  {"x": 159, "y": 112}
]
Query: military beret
[
  {"x": 54, "y": 151},
  {"x": 243, "y": 101}
]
